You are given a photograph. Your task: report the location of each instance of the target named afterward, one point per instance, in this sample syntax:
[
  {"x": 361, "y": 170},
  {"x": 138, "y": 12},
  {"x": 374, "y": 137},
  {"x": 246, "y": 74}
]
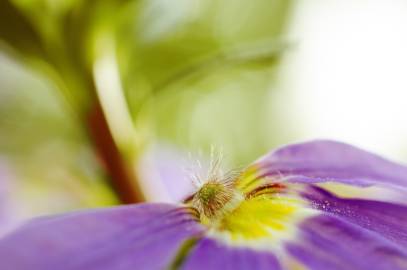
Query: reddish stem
[{"x": 122, "y": 180}]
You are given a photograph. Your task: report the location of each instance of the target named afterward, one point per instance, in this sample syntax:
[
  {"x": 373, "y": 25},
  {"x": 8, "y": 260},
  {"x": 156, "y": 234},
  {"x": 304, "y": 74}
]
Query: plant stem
[{"x": 121, "y": 176}]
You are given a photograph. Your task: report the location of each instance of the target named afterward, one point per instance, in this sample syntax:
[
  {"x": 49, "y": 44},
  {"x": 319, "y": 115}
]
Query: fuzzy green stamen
[{"x": 211, "y": 199}]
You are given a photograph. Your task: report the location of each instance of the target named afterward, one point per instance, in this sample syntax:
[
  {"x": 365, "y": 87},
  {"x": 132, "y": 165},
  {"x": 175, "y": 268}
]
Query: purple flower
[{"x": 276, "y": 214}]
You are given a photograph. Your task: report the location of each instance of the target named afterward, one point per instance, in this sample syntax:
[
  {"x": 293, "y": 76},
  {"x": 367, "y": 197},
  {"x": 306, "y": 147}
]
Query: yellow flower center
[{"x": 262, "y": 212}]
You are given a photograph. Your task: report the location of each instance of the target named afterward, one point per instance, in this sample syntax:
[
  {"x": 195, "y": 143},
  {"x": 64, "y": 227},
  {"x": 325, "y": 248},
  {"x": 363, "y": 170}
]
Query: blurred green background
[{"x": 87, "y": 88}]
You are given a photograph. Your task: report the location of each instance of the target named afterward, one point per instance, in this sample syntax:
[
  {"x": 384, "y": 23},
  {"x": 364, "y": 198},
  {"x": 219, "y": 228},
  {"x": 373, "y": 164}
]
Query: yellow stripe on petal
[
  {"x": 248, "y": 179},
  {"x": 251, "y": 178}
]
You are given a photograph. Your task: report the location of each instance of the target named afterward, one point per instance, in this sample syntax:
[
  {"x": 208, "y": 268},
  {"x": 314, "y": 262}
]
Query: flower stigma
[
  {"x": 217, "y": 193},
  {"x": 215, "y": 199}
]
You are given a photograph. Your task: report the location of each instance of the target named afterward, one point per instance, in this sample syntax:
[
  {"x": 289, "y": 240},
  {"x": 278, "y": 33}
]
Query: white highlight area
[{"x": 346, "y": 76}]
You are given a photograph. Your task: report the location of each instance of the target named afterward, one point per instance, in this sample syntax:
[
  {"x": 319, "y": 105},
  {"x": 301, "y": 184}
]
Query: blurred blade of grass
[
  {"x": 251, "y": 55},
  {"x": 16, "y": 30},
  {"x": 203, "y": 29},
  {"x": 197, "y": 41}
]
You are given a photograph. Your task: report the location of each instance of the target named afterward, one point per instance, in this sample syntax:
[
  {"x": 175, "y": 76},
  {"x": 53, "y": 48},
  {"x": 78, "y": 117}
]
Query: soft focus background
[{"x": 98, "y": 97}]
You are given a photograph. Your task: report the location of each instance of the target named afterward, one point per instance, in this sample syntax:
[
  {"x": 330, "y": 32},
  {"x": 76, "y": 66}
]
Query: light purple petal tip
[
  {"x": 386, "y": 219},
  {"x": 328, "y": 242},
  {"x": 145, "y": 236},
  {"x": 209, "y": 254},
  {"x": 323, "y": 161},
  {"x": 165, "y": 171}
]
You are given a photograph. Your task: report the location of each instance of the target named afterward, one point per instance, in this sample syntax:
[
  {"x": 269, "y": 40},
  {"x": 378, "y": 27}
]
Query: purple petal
[
  {"x": 386, "y": 219},
  {"x": 163, "y": 170},
  {"x": 328, "y": 242},
  {"x": 209, "y": 254},
  {"x": 145, "y": 236},
  {"x": 323, "y": 161}
]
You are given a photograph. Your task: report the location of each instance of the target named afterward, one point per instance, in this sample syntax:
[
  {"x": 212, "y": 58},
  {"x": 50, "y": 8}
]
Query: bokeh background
[{"x": 100, "y": 96}]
